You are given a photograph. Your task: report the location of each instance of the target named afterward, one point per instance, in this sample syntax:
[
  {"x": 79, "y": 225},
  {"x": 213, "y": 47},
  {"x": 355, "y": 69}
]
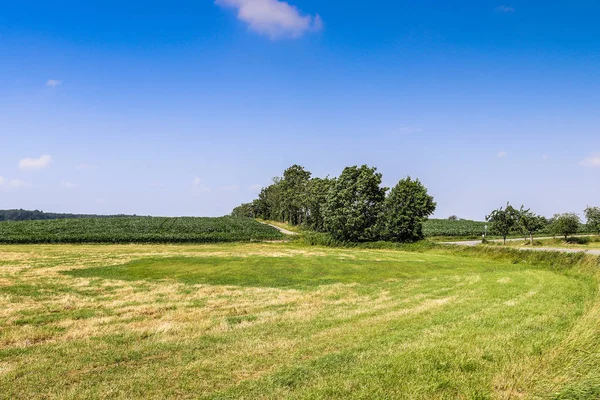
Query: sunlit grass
[{"x": 288, "y": 321}]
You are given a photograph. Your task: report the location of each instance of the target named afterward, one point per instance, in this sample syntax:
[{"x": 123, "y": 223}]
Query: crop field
[
  {"x": 137, "y": 230},
  {"x": 445, "y": 227},
  {"x": 285, "y": 320}
]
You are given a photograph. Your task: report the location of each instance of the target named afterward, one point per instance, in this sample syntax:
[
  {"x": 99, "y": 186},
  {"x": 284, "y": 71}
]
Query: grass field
[
  {"x": 576, "y": 242},
  {"x": 277, "y": 320},
  {"x": 137, "y": 230}
]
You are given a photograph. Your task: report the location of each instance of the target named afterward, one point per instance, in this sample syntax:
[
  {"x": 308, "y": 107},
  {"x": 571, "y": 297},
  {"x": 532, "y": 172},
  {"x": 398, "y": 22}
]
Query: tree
[
  {"x": 354, "y": 204},
  {"x": 566, "y": 224},
  {"x": 453, "y": 218},
  {"x": 294, "y": 194},
  {"x": 318, "y": 188},
  {"x": 530, "y": 223},
  {"x": 592, "y": 215},
  {"x": 405, "y": 209},
  {"x": 503, "y": 220}
]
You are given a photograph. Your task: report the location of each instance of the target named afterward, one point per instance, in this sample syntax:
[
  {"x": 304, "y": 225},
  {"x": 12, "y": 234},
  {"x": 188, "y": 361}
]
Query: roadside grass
[
  {"x": 576, "y": 242},
  {"x": 287, "y": 320}
]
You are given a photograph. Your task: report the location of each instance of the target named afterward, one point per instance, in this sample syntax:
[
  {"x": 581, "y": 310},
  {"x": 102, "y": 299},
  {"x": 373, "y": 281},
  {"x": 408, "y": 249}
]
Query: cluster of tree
[
  {"x": 522, "y": 221},
  {"x": 352, "y": 207},
  {"x": 27, "y": 215}
]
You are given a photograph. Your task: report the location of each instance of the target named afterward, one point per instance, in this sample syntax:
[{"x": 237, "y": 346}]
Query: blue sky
[{"x": 186, "y": 108}]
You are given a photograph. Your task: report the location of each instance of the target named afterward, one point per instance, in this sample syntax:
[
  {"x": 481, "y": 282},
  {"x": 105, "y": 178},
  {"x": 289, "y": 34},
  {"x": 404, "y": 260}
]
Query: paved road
[{"x": 562, "y": 250}]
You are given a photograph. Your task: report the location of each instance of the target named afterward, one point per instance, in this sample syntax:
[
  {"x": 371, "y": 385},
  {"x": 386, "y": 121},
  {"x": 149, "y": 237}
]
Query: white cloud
[
  {"x": 273, "y": 18},
  {"x": 502, "y": 154},
  {"x": 35, "y": 163},
  {"x": 67, "y": 185},
  {"x": 545, "y": 157},
  {"x": 255, "y": 188},
  {"x": 199, "y": 186},
  {"x": 53, "y": 83},
  {"x": 505, "y": 9},
  {"x": 12, "y": 183},
  {"x": 591, "y": 161}
]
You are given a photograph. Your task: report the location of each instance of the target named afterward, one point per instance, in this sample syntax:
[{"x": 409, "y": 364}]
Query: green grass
[
  {"x": 137, "y": 230},
  {"x": 285, "y": 320}
]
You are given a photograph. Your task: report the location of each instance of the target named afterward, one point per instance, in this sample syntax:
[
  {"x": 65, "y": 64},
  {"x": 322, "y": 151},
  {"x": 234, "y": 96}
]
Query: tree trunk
[
  {"x": 531, "y": 236},
  {"x": 504, "y": 240}
]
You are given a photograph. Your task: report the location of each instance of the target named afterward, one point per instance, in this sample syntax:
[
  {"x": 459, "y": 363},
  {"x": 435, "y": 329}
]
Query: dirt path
[
  {"x": 282, "y": 230},
  {"x": 472, "y": 243}
]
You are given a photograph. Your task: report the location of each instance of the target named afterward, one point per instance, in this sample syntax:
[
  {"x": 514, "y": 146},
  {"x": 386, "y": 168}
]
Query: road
[{"x": 561, "y": 250}]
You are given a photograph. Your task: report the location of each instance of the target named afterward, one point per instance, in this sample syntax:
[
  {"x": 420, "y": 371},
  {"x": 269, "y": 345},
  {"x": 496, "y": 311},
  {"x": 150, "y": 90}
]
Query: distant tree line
[
  {"x": 351, "y": 207},
  {"x": 27, "y": 215},
  {"x": 509, "y": 220}
]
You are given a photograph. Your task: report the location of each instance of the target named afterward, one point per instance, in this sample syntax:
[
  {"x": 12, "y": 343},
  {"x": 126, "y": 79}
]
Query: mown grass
[{"x": 287, "y": 320}]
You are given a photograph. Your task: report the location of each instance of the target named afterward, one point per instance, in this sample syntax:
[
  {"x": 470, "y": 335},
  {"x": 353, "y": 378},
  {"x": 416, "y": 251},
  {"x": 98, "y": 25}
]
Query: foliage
[
  {"x": 503, "y": 220},
  {"x": 354, "y": 204},
  {"x": 404, "y": 210},
  {"x": 592, "y": 214},
  {"x": 530, "y": 223},
  {"x": 565, "y": 224},
  {"x": 137, "y": 230},
  {"x": 453, "y": 218}
]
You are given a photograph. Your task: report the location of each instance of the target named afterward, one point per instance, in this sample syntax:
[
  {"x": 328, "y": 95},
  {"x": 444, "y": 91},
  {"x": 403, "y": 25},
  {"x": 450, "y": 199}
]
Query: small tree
[
  {"x": 453, "y": 218},
  {"x": 592, "y": 214},
  {"x": 566, "y": 224},
  {"x": 531, "y": 223},
  {"x": 405, "y": 209},
  {"x": 503, "y": 220}
]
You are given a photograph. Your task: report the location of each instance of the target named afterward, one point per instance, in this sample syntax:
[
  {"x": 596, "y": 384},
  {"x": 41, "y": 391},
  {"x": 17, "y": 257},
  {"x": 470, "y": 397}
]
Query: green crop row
[{"x": 137, "y": 230}]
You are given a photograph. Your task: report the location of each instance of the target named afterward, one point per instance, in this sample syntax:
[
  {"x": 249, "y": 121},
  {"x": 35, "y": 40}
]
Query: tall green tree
[
  {"x": 592, "y": 214},
  {"x": 503, "y": 220},
  {"x": 530, "y": 223},
  {"x": 405, "y": 209},
  {"x": 354, "y": 204},
  {"x": 318, "y": 189},
  {"x": 294, "y": 191},
  {"x": 566, "y": 224}
]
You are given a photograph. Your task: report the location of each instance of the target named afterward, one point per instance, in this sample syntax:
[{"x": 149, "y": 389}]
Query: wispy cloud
[
  {"x": 505, "y": 9},
  {"x": 255, "y": 188},
  {"x": 35, "y": 163},
  {"x": 53, "y": 82},
  {"x": 273, "y": 18},
  {"x": 199, "y": 186},
  {"x": 67, "y": 185},
  {"x": 545, "y": 157},
  {"x": 502, "y": 154},
  {"x": 12, "y": 183},
  {"x": 591, "y": 161}
]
